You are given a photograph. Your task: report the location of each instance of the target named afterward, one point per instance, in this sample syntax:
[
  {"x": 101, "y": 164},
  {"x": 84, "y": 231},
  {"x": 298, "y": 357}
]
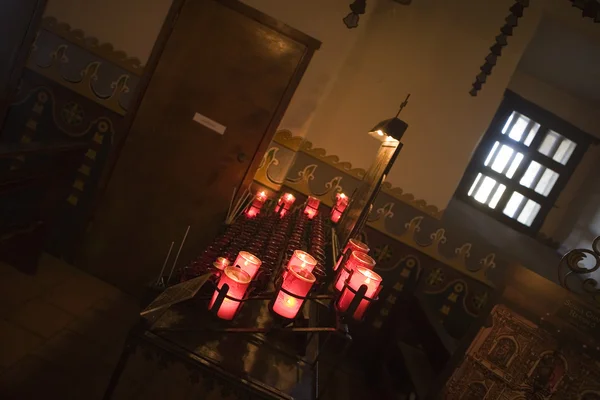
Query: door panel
[
  {"x": 173, "y": 171},
  {"x": 19, "y": 20}
]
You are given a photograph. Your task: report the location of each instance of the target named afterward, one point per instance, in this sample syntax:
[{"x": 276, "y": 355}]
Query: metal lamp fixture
[{"x": 389, "y": 132}]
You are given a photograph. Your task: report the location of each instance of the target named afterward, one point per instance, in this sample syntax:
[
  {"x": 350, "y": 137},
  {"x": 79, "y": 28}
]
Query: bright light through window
[
  {"x": 514, "y": 165},
  {"x": 497, "y": 195},
  {"x": 485, "y": 189},
  {"x": 529, "y": 212},
  {"x": 502, "y": 158},
  {"x": 513, "y": 204},
  {"x": 521, "y": 163},
  {"x": 531, "y": 174}
]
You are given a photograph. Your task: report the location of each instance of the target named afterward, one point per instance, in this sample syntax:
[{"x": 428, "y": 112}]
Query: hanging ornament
[{"x": 357, "y": 8}]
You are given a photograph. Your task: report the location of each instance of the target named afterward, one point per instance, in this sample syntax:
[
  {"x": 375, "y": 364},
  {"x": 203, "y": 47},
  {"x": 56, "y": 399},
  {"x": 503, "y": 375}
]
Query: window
[{"x": 522, "y": 164}]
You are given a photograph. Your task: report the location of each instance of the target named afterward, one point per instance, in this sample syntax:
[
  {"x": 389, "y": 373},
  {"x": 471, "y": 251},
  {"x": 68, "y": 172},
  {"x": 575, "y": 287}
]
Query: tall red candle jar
[
  {"x": 237, "y": 282},
  {"x": 352, "y": 245},
  {"x": 303, "y": 260},
  {"x": 257, "y": 203},
  {"x": 339, "y": 207},
  {"x": 294, "y": 288},
  {"x": 336, "y": 214},
  {"x": 360, "y": 276},
  {"x": 312, "y": 207},
  {"x": 284, "y": 204},
  {"x": 248, "y": 262},
  {"x": 356, "y": 259}
]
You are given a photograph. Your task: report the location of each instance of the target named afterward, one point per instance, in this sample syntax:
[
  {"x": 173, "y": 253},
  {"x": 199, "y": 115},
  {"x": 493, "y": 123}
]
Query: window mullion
[
  {"x": 512, "y": 124},
  {"x": 504, "y": 198},
  {"x": 514, "y": 185},
  {"x": 520, "y": 208}
]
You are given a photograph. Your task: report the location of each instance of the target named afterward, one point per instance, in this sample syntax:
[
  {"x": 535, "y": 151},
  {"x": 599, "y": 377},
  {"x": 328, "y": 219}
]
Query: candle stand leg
[
  {"x": 322, "y": 389},
  {"x": 128, "y": 350}
]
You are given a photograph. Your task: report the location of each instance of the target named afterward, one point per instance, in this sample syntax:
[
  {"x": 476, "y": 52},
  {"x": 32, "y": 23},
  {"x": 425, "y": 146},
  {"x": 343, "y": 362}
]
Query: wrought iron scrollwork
[{"x": 575, "y": 269}]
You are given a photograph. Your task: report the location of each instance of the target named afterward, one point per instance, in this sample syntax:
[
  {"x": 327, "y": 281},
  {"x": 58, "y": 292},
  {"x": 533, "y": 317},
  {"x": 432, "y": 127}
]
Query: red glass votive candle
[
  {"x": 312, "y": 207},
  {"x": 313, "y": 202},
  {"x": 252, "y": 212},
  {"x": 339, "y": 207},
  {"x": 238, "y": 282},
  {"x": 257, "y": 203},
  {"x": 352, "y": 245},
  {"x": 284, "y": 204},
  {"x": 221, "y": 263},
  {"x": 356, "y": 259},
  {"x": 336, "y": 215},
  {"x": 302, "y": 259},
  {"x": 298, "y": 282},
  {"x": 360, "y": 276},
  {"x": 248, "y": 262}
]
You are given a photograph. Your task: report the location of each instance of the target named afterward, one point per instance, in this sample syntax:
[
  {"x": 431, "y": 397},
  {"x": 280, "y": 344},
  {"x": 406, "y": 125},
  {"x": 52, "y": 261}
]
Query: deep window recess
[{"x": 522, "y": 164}]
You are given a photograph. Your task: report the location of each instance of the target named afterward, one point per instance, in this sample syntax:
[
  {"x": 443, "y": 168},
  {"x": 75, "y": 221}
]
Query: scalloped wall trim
[{"x": 93, "y": 45}]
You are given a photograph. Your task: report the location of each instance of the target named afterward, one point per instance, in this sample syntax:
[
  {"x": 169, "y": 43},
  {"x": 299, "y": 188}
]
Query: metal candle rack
[{"x": 324, "y": 319}]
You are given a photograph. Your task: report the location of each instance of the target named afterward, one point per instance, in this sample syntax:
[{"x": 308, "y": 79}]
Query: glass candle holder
[
  {"x": 357, "y": 259},
  {"x": 284, "y": 204},
  {"x": 312, "y": 207},
  {"x": 252, "y": 211},
  {"x": 302, "y": 259},
  {"x": 352, "y": 245},
  {"x": 360, "y": 276},
  {"x": 221, "y": 263},
  {"x": 313, "y": 202},
  {"x": 294, "y": 288},
  {"x": 237, "y": 282},
  {"x": 248, "y": 262},
  {"x": 336, "y": 214},
  {"x": 257, "y": 203},
  {"x": 340, "y": 206}
]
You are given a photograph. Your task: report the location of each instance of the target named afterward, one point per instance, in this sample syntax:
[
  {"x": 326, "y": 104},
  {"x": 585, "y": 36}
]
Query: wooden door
[
  {"x": 221, "y": 63},
  {"x": 19, "y": 20}
]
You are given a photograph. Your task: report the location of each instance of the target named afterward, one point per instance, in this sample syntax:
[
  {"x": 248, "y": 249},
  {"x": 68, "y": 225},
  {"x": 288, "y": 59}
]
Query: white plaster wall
[
  {"x": 433, "y": 50},
  {"x": 321, "y": 19}
]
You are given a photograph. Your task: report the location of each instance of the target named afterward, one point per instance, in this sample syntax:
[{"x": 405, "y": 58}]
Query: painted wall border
[
  {"x": 296, "y": 143},
  {"x": 93, "y": 45}
]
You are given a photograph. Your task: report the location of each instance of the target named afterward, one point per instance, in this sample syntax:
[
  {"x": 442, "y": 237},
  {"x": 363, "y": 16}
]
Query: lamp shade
[{"x": 393, "y": 127}]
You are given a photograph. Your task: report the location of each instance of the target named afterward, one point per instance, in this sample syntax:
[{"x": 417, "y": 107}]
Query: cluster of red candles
[
  {"x": 297, "y": 281},
  {"x": 354, "y": 270},
  {"x": 264, "y": 236},
  {"x": 250, "y": 252},
  {"x": 298, "y": 277}
]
